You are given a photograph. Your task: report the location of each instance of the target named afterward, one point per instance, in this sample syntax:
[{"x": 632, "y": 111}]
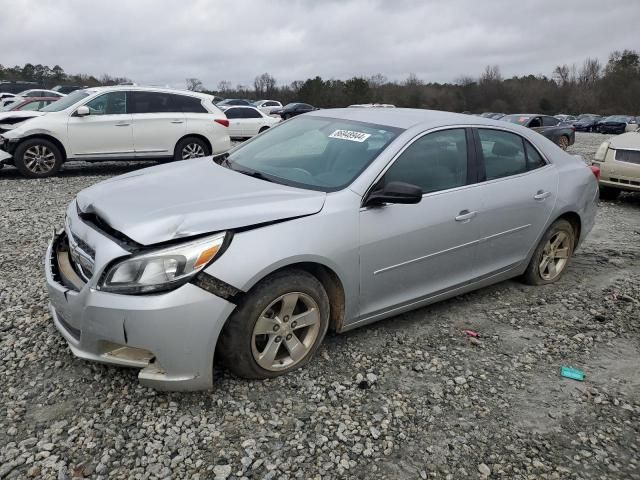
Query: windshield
[
  {"x": 66, "y": 102},
  {"x": 519, "y": 119},
  {"x": 318, "y": 153},
  {"x": 11, "y": 105}
]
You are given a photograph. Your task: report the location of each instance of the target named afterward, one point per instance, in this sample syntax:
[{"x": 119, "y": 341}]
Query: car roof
[
  {"x": 138, "y": 88},
  {"x": 404, "y": 117}
]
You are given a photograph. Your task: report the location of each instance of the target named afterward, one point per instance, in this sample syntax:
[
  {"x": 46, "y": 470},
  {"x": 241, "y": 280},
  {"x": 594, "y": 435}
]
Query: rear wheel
[
  {"x": 551, "y": 257},
  {"x": 278, "y": 326},
  {"x": 190, "y": 148},
  {"x": 563, "y": 142},
  {"x": 609, "y": 193},
  {"x": 37, "y": 158}
]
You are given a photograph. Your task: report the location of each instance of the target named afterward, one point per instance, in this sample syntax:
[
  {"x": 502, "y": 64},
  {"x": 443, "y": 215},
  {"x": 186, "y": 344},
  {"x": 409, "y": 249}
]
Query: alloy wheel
[
  {"x": 39, "y": 159},
  {"x": 555, "y": 256},
  {"x": 192, "y": 150},
  {"x": 563, "y": 142},
  {"x": 285, "y": 331}
]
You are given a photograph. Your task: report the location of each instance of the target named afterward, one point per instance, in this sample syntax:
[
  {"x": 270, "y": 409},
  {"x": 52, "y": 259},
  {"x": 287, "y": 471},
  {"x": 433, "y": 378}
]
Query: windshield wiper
[{"x": 253, "y": 174}]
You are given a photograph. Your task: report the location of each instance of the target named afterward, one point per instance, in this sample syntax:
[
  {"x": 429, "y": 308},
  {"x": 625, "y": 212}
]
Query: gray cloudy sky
[{"x": 165, "y": 41}]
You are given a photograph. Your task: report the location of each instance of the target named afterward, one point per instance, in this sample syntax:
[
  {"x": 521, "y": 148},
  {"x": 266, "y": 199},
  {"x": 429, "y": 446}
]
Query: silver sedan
[{"x": 334, "y": 219}]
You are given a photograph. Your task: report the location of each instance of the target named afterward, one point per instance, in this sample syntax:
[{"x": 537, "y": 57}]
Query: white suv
[{"x": 117, "y": 123}]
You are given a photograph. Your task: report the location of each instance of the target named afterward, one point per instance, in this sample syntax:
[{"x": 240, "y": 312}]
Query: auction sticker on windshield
[{"x": 350, "y": 135}]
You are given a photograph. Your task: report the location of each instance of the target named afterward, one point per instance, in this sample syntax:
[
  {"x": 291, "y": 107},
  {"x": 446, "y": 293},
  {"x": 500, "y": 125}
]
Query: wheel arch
[
  {"x": 49, "y": 138},
  {"x": 194, "y": 135},
  {"x": 331, "y": 282},
  {"x": 576, "y": 222}
]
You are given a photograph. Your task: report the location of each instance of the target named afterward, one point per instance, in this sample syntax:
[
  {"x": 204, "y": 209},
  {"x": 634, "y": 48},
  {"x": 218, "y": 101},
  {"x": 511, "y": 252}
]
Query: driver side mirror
[
  {"x": 395, "y": 192},
  {"x": 82, "y": 111}
]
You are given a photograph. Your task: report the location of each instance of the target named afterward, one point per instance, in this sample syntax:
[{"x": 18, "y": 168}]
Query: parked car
[
  {"x": 15, "y": 87},
  {"x": 234, "y": 101},
  {"x": 28, "y": 103},
  {"x": 293, "y": 109},
  {"x": 566, "y": 118},
  {"x": 615, "y": 124},
  {"x": 372, "y": 105},
  {"x": 245, "y": 122},
  {"x": 66, "y": 89},
  {"x": 632, "y": 124},
  {"x": 335, "y": 219},
  {"x": 267, "y": 106},
  {"x": 619, "y": 162},
  {"x": 587, "y": 123},
  {"x": 116, "y": 123},
  {"x": 559, "y": 133},
  {"x": 40, "y": 93},
  {"x": 6, "y": 97}
]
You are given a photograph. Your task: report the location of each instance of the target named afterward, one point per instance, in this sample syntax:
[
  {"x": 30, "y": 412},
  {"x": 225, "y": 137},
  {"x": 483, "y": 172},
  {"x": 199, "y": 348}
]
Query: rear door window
[
  {"x": 550, "y": 121},
  {"x": 150, "y": 102},
  {"x": 505, "y": 154}
]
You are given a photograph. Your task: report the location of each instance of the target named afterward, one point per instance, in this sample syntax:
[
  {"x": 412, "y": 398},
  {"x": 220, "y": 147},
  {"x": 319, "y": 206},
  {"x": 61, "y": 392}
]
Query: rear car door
[
  {"x": 235, "y": 116},
  {"x": 106, "y": 131},
  {"x": 412, "y": 252},
  {"x": 158, "y": 123},
  {"x": 253, "y": 121},
  {"x": 519, "y": 192}
]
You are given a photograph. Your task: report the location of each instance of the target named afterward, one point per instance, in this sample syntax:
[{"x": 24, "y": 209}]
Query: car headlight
[
  {"x": 161, "y": 269},
  {"x": 602, "y": 151}
]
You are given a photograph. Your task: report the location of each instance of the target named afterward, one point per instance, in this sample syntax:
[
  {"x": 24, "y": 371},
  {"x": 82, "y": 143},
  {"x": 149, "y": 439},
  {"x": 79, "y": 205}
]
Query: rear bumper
[{"x": 171, "y": 337}]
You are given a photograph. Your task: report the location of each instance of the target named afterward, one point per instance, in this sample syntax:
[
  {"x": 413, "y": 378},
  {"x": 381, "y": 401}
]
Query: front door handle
[
  {"x": 122, "y": 124},
  {"x": 177, "y": 121},
  {"x": 541, "y": 195},
  {"x": 465, "y": 216}
]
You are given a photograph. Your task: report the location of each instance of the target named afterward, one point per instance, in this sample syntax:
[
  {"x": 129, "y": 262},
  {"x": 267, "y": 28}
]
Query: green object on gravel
[{"x": 572, "y": 373}]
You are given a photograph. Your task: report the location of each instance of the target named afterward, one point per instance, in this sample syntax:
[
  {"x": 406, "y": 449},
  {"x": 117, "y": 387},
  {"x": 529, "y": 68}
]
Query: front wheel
[
  {"x": 191, "y": 147},
  {"x": 551, "y": 257},
  {"x": 278, "y": 326},
  {"x": 37, "y": 158}
]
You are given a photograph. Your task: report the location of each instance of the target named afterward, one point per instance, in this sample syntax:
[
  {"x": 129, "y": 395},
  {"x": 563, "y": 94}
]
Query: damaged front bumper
[
  {"x": 171, "y": 336},
  {"x": 5, "y": 156}
]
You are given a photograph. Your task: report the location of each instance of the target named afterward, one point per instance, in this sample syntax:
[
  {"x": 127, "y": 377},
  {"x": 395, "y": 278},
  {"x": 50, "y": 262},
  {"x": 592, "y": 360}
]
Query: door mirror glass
[
  {"x": 395, "y": 192},
  {"x": 83, "y": 111}
]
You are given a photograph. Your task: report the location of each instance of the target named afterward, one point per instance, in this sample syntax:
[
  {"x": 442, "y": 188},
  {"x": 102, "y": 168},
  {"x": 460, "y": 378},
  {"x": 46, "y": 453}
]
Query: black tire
[
  {"x": 234, "y": 348},
  {"x": 263, "y": 129},
  {"x": 609, "y": 193},
  {"x": 197, "y": 146},
  {"x": 532, "y": 274},
  {"x": 286, "y": 116},
  {"x": 46, "y": 164}
]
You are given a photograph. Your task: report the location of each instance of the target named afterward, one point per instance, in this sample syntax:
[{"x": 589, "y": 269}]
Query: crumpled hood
[
  {"x": 19, "y": 114},
  {"x": 192, "y": 197}
]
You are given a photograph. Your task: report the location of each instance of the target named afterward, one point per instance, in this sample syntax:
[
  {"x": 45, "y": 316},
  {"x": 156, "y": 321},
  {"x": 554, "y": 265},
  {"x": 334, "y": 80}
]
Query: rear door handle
[
  {"x": 177, "y": 121},
  {"x": 465, "y": 216},
  {"x": 541, "y": 195},
  {"x": 122, "y": 124}
]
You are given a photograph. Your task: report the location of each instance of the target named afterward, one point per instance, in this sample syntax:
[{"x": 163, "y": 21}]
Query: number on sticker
[{"x": 350, "y": 135}]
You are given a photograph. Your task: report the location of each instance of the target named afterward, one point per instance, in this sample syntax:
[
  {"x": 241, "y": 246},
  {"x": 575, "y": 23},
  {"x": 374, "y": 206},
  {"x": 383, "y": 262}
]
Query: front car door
[
  {"x": 106, "y": 131},
  {"x": 410, "y": 253},
  {"x": 158, "y": 123},
  {"x": 519, "y": 192}
]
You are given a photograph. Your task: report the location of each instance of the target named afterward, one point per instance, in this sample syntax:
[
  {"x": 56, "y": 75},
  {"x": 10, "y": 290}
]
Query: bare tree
[
  {"x": 491, "y": 74},
  {"x": 590, "y": 71},
  {"x": 194, "y": 84},
  {"x": 264, "y": 85},
  {"x": 561, "y": 74},
  {"x": 224, "y": 86}
]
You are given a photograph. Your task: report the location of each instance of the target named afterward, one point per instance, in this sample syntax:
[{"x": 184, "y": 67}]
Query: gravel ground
[{"x": 409, "y": 397}]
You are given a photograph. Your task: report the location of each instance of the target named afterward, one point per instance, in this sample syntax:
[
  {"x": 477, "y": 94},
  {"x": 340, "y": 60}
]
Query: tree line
[{"x": 612, "y": 88}]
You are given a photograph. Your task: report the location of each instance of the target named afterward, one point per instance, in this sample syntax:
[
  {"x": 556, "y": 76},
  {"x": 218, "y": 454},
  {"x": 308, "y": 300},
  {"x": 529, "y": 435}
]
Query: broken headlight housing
[{"x": 162, "y": 269}]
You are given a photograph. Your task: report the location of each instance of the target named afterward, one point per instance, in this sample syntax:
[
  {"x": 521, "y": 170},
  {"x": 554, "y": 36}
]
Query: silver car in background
[{"x": 334, "y": 219}]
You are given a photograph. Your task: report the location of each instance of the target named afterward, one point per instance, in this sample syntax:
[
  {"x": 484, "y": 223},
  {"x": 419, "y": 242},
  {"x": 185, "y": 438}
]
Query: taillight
[
  {"x": 222, "y": 121},
  {"x": 596, "y": 172}
]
